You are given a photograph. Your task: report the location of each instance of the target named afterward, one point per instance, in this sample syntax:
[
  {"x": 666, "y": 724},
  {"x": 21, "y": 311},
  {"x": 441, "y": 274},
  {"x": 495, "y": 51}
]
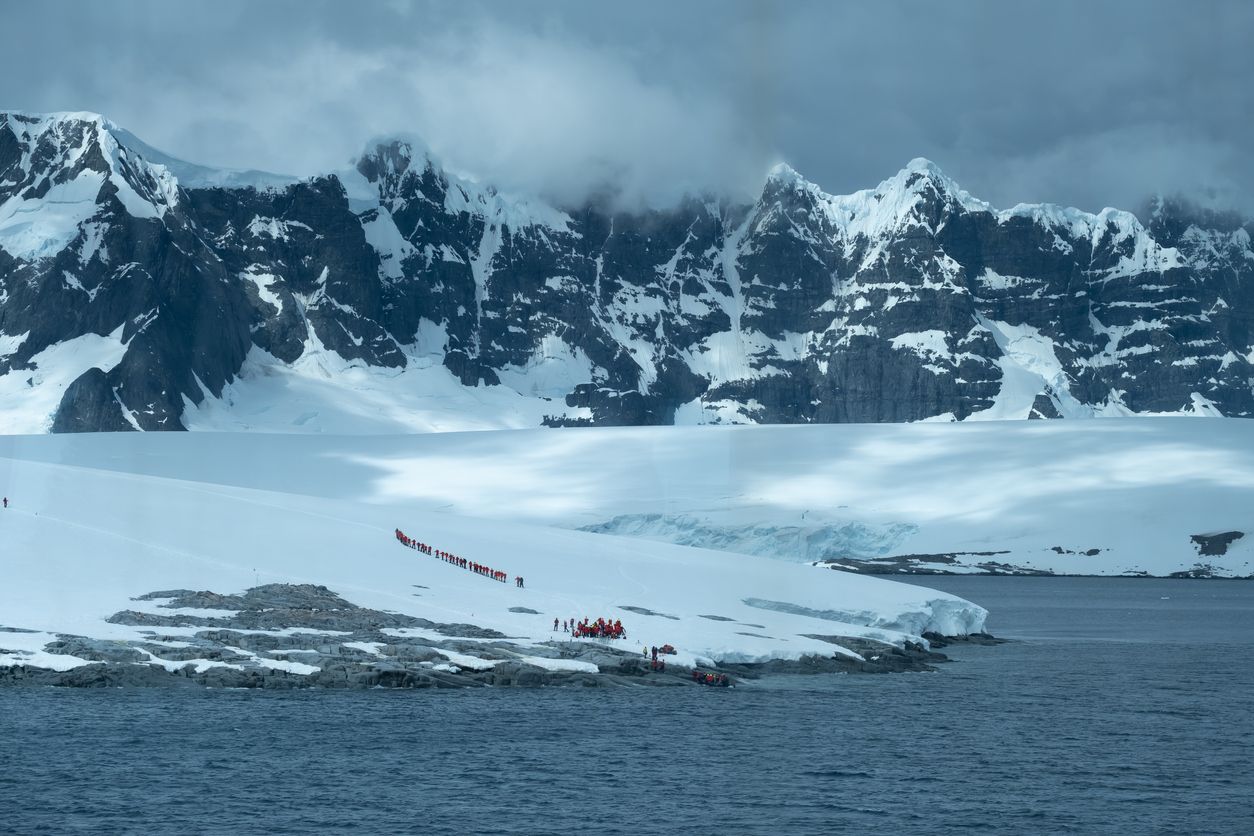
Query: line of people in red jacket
[
  {"x": 478, "y": 569},
  {"x": 412, "y": 543}
]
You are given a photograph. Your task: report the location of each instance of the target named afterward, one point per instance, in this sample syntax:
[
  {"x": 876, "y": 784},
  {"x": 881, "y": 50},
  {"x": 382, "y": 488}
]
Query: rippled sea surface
[{"x": 1125, "y": 708}]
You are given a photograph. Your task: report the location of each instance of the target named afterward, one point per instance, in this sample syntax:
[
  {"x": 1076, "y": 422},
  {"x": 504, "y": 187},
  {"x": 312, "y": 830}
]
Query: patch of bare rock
[{"x": 283, "y": 636}]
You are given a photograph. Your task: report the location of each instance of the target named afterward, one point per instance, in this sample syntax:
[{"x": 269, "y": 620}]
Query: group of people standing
[
  {"x": 599, "y": 629},
  {"x": 478, "y": 569},
  {"x": 659, "y": 665}
]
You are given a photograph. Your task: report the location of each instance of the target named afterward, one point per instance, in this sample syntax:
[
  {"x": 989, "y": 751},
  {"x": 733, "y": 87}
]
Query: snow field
[
  {"x": 96, "y": 520},
  {"x": 80, "y": 543},
  {"x": 323, "y": 393},
  {"x": 1137, "y": 489}
]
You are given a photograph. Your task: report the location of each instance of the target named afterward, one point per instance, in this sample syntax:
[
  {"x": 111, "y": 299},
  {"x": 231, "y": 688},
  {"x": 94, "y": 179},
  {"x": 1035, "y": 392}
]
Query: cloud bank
[{"x": 1086, "y": 104}]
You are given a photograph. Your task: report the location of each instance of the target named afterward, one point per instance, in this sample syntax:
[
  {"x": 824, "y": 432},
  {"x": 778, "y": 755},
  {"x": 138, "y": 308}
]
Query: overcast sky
[{"x": 1088, "y": 104}]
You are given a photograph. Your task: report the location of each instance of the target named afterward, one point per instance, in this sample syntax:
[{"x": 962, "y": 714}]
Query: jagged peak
[
  {"x": 784, "y": 173},
  {"x": 42, "y": 122},
  {"x": 396, "y": 154},
  {"x": 892, "y": 203},
  {"x": 920, "y": 172},
  {"x": 872, "y": 211},
  {"x": 112, "y": 138},
  {"x": 66, "y": 160},
  {"x": 378, "y": 174}
]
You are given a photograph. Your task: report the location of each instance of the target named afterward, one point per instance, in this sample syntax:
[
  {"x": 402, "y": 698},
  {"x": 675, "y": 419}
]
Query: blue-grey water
[{"x": 1125, "y": 708}]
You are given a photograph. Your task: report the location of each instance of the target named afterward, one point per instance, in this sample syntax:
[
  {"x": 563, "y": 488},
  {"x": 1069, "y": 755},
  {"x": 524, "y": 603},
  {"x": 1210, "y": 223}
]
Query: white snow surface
[
  {"x": 149, "y": 509},
  {"x": 323, "y": 393},
  {"x": 41, "y": 227},
  {"x": 684, "y": 521},
  {"x": 91, "y": 525}
]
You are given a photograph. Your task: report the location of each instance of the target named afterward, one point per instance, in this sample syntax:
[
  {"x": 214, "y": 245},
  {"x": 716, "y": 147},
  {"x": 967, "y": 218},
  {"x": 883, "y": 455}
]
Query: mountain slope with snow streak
[{"x": 453, "y": 306}]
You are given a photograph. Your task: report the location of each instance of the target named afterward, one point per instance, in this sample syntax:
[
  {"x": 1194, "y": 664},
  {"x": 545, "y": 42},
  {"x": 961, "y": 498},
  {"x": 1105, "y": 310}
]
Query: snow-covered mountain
[{"x": 141, "y": 292}]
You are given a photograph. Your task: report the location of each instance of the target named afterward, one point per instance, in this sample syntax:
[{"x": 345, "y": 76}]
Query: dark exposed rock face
[
  {"x": 90, "y": 404},
  {"x": 1215, "y": 544},
  {"x": 908, "y": 301}
]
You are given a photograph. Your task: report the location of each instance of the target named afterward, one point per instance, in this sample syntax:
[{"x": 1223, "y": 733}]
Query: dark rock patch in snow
[
  {"x": 644, "y": 611},
  {"x": 962, "y": 563},
  {"x": 282, "y": 606},
  {"x": 163, "y": 594},
  {"x": 1043, "y": 407},
  {"x": 1200, "y": 570},
  {"x": 90, "y": 404},
  {"x": 268, "y": 597},
  {"x": 1214, "y": 545}
]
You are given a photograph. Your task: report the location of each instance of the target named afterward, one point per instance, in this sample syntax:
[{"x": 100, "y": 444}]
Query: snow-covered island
[
  {"x": 265, "y": 559},
  {"x": 129, "y": 577}
]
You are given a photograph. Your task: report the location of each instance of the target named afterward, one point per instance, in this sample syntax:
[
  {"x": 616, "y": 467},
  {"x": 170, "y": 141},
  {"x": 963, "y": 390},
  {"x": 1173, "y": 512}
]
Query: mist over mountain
[{"x": 138, "y": 291}]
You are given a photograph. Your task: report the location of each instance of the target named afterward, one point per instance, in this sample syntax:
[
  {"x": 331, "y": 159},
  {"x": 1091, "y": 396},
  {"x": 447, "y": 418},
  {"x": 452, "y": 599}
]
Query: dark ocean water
[{"x": 1125, "y": 709}]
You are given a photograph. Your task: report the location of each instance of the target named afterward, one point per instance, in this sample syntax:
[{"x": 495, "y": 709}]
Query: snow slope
[
  {"x": 321, "y": 392},
  {"x": 1039, "y": 493},
  {"x": 81, "y": 542}
]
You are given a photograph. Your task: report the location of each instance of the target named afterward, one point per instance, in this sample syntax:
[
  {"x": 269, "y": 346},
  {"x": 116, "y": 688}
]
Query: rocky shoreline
[{"x": 284, "y": 636}]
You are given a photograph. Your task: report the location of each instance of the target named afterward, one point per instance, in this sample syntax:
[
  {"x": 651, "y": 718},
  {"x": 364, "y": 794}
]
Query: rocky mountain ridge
[{"x": 135, "y": 297}]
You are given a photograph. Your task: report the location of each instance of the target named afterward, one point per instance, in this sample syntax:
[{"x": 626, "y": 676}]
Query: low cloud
[
  {"x": 532, "y": 111},
  {"x": 526, "y": 111},
  {"x": 1077, "y": 103}
]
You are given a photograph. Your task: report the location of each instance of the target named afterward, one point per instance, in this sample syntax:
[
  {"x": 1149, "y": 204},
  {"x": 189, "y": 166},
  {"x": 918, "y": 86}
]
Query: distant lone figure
[
  {"x": 6, "y": 502},
  {"x": 555, "y": 625}
]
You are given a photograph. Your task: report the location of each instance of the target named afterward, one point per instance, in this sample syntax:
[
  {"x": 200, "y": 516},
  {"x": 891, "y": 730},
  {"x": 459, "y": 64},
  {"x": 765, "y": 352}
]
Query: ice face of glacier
[
  {"x": 799, "y": 542},
  {"x": 909, "y": 301}
]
